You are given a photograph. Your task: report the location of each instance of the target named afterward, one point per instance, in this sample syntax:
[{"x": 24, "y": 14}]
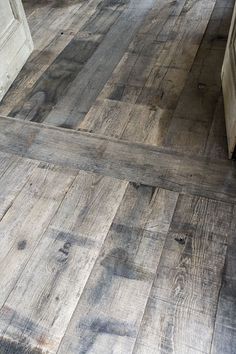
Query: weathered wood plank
[
  {"x": 129, "y": 161},
  {"x": 224, "y": 340},
  {"x": 123, "y": 274},
  {"x": 216, "y": 146},
  {"x": 48, "y": 43},
  {"x": 26, "y": 219},
  {"x": 126, "y": 121},
  {"x": 195, "y": 120},
  {"x": 225, "y": 325},
  {"x": 107, "y": 117},
  {"x": 180, "y": 313},
  {"x": 87, "y": 85},
  {"x": 156, "y": 76},
  {"x": 42, "y": 302},
  {"x": 13, "y": 179},
  {"x": 54, "y": 82}
]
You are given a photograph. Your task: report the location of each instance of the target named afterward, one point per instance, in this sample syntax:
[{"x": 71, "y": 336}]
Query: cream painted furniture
[{"x": 15, "y": 42}]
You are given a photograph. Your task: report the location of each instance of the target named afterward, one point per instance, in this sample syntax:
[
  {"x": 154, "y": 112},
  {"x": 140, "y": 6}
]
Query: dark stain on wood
[
  {"x": 21, "y": 245},
  {"x": 55, "y": 81},
  {"x": 99, "y": 326},
  {"x": 219, "y": 37},
  {"x": 180, "y": 240},
  {"x": 117, "y": 93},
  {"x": 117, "y": 263},
  {"x": 53, "y": 3},
  {"x": 8, "y": 346},
  {"x": 135, "y": 185},
  {"x": 111, "y": 326},
  {"x": 111, "y": 3},
  {"x": 66, "y": 126},
  {"x": 76, "y": 239}
]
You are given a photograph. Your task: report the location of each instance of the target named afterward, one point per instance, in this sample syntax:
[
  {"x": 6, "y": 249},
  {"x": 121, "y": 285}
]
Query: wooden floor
[{"x": 118, "y": 202}]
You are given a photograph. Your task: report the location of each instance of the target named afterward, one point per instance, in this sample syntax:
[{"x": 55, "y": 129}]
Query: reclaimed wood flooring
[{"x": 118, "y": 202}]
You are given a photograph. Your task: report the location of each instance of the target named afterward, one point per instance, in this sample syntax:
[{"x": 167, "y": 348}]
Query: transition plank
[{"x": 127, "y": 161}]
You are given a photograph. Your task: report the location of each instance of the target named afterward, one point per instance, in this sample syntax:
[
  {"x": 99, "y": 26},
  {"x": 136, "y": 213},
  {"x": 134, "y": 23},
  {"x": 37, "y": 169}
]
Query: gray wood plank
[
  {"x": 86, "y": 87},
  {"x": 129, "y": 161},
  {"x": 180, "y": 313},
  {"x": 26, "y": 219},
  {"x": 196, "y": 117},
  {"x": 158, "y": 75},
  {"x": 40, "y": 305},
  {"x": 55, "y": 81},
  {"x": 110, "y": 310},
  {"x": 13, "y": 179},
  {"x": 52, "y": 32},
  {"x": 225, "y": 324}
]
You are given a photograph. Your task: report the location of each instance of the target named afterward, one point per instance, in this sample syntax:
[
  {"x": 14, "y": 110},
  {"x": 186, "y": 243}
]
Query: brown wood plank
[
  {"x": 110, "y": 310},
  {"x": 133, "y": 162}
]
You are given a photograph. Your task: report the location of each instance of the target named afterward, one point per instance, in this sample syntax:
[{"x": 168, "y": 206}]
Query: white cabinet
[{"x": 15, "y": 42}]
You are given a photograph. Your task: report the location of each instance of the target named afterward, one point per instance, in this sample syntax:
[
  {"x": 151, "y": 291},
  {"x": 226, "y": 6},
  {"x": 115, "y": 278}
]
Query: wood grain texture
[
  {"x": 198, "y": 121},
  {"x": 54, "y": 82},
  {"x": 110, "y": 244},
  {"x": 39, "y": 307},
  {"x": 153, "y": 73},
  {"x": 180, "y": 312},
  {"x": 225, "y": 324},
  {"x": 52, "y": 29},
  {"x": 13, "y": 178},
  {"x": 88, "y": 84},
  {"x": 123, "y": 274},
  {"x": 132, "y": 162}
]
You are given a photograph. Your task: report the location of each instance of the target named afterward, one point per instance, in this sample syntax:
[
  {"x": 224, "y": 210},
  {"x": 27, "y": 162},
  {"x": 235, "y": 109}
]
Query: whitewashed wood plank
[
  {"x": 109, "y": 312},
  {"x": 25, "y": 221},
  {"x": 180, "y": 313},
  {"x": 50, "y": 286}
]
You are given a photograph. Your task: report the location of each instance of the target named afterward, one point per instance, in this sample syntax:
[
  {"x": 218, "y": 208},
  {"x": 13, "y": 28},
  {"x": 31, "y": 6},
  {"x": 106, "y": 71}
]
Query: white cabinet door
[
  {"x": 229, "y": 87},
  {"x": 15, "y": 42}
]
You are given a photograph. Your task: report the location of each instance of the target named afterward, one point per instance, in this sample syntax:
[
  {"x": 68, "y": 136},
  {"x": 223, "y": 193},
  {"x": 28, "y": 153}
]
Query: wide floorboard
[{"x": 118, "y": 202}]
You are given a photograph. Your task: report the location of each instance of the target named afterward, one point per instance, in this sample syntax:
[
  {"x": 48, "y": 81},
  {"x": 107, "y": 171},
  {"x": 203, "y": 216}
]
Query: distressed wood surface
[
  {"x": 225, "y": 324},
  {"x": 156, "y": 67},
  {"x": 32, "y": 209},
  {"x": 119, "y": 21},
  {"x": 188, "y": 280},
  {"x": 12, "y": 179},
  {"x": 50, "y": 37},
  {"x": 118, "y": 235},
  {"x": 123, "y": 274},
  {"x": 132, "y": 162},
  {"x": 39, "y": 307}
]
